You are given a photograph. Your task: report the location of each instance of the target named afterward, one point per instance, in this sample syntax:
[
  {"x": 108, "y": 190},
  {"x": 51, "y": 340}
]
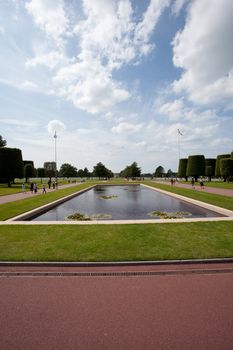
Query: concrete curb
[{"x": 112, "y": 263}]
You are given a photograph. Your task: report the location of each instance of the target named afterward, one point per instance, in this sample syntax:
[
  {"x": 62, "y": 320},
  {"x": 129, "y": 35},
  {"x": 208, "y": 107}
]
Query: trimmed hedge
[
  {"x": 196, "y": 166},
  {"x": 217, "y": 166},
  {"x": 183, "y": 168}
]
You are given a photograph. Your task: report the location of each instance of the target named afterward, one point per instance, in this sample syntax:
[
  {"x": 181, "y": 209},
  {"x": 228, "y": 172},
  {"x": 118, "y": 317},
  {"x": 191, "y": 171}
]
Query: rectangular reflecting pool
[{"x": 126, "y": 202}]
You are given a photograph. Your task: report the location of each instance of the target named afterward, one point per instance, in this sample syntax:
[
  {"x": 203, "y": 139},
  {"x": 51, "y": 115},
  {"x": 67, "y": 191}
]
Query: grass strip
[
  {"x": 211, "y": 198},
  {"x": 116, "y": 242}
]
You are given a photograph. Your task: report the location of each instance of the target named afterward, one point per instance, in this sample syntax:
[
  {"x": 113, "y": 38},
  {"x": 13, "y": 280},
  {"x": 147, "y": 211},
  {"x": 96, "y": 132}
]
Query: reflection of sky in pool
[{"x": 132, "y": 202}]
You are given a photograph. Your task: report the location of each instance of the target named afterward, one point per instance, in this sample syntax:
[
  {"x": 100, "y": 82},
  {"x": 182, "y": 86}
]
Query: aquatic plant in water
[
  {"x": 78, "y": 217},
  {"x": 101, "y": 216},
  {"x": 167, "y": 215},
  {"x": 84, "y": 217},
  {"x": 107, "y": 197}
]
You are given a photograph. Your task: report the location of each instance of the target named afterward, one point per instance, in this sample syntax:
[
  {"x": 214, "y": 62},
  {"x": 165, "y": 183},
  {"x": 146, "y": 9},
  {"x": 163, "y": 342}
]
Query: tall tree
[
  {"x": 159, "y": 171},
  {"x": 11, "y": 164},
  {"x": 50, "y": 169},
  {"x": 68, "y": 170},
  {"x": 100, "y": 170},
  {"x": 41, "y": 173},
  {"x": 29, "y": 171},
  {"x": 196, "y": 166},
  {"x": 132, "y": 170},
  {"x": 2, "y": 142},
  {"x": 86, "y": 173}
]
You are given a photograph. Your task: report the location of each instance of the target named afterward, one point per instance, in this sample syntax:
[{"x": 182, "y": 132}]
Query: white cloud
[
  {"x": 19, "y": 123},
  {"x": 50, "y": 59},
  {"x": 2, "y": 31},
  {"x": 178, "y": 5},
  {"x": 174, "y": 109},
  {"x": 106, "y": 40},
  {"x": 50, "y": 16},
  {"x": 89, "y": 86},
  {"x": 29, "y": 85},
  {"x": 55, "y": 125},
  {"x": 127, "y": 128},
  {"x": 204, "y": 50},
  {"x": 147, "y": 25},
  {"x": 113, "y": 34}
]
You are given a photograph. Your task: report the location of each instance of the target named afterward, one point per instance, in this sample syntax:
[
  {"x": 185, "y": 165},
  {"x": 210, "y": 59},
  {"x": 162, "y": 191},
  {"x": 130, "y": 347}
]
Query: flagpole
[
  {"x": 178, "y": 134},
  {"x": 55, "y": 138}
]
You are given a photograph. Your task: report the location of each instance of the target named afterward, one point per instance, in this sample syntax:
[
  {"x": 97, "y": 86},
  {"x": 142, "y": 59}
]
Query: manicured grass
[
  {"x": 211, "y": 198},
  {"x": 12, "y": 209},
  {"x": 225, "y": 185},
  {"x": 15, "y": 188},
  {"x": 116, "y": 242}
]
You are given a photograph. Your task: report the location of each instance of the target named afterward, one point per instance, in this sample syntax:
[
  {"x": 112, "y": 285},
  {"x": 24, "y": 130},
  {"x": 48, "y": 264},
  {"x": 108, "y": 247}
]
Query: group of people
[
  {"x": 54, "y": 184},
  {"x": 201, "y": 184},
  {"x": 173, "y": 182},
  {"x": 34, "y": 187}
]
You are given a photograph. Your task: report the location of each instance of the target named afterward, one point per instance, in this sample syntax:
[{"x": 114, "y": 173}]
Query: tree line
[
  {"x": 197, "y": 165},
  {"x": 13, "y": 166}
]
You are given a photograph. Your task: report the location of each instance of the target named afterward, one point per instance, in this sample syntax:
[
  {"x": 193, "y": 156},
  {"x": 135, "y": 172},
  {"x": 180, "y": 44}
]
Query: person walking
[
  {"x": 31, "y": 187},
  {"x": 23, "y": 188},
  {"x": 193, "y": 183},
  {"x": 44, "y": 189},
  {"x": 202, "y": 185},
  {"x": 35, "y": 188}
]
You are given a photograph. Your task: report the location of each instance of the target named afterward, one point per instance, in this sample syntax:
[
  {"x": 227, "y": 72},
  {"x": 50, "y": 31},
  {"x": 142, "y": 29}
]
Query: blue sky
[{"x": 116, "y": 79}]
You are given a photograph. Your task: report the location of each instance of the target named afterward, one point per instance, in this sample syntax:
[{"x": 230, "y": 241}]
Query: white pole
[
  {"x": 178, "y": 134},
  {"x": 55, "y": 137},
  {"x": 178, "y": 138}
]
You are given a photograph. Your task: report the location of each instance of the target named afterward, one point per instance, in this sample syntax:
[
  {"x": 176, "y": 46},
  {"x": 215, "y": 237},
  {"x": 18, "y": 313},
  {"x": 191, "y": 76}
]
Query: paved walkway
[
  {"x": 17, "y": 196},
  {"x": 190, "y": 309},
  {"x": 221, "y": 191}
]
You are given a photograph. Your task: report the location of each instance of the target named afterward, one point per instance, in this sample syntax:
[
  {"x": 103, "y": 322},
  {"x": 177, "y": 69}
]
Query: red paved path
[{"x": 183, "y": 311}]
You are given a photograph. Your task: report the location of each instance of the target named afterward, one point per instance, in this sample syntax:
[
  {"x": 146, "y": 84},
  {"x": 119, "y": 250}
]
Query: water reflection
[{"x": 125, "y": 202}]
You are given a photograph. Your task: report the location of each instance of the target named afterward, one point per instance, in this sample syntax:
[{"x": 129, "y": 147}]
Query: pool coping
[{"x": 19, "y": 219}]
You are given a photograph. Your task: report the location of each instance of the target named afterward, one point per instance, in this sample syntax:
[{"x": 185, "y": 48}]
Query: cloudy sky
[{"x": 116, "y": 79}]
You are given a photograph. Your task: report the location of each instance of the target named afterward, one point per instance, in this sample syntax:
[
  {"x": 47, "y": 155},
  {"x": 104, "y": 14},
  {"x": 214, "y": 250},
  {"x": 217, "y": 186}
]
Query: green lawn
[{"x": 116, "y": 242}]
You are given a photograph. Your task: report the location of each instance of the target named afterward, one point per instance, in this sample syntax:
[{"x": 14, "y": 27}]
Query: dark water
[{"x": 132, "y": 202}]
